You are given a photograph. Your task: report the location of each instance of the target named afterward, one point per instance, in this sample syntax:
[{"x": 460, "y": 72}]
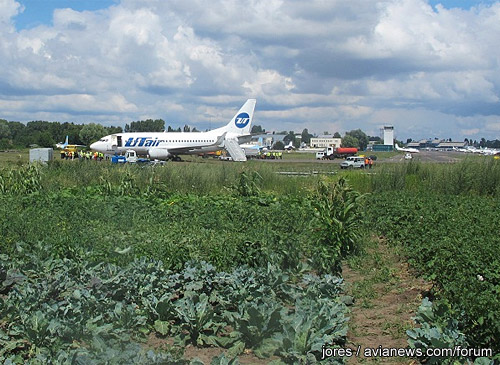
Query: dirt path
[{"x": 386, "y": 297}]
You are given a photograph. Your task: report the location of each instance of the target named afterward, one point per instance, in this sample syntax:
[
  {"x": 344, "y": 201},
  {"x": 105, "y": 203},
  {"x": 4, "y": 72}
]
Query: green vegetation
[
  {"x": 46, "y": 134},
  {"x": 473, "y": 175},
  {"x": 93, "y": 264},
  {"x": 452, "y": 241},
  {"x": 14, "y": 158},
  {"x": 101, "y": 263},
  {"x": 445, "y": 218}
]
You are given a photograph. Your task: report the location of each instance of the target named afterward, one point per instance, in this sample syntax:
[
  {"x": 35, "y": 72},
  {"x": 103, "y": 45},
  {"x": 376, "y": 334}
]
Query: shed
[{"x": 43, "y": 155}]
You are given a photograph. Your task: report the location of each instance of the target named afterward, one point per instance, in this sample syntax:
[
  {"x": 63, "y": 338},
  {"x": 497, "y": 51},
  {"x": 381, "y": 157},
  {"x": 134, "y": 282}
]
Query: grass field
[
  {"x": 101, "y": 262},
  {"x": 14, "y": 157}
]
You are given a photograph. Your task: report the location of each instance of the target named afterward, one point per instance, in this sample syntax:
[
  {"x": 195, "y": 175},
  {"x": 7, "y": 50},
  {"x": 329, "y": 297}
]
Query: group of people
[
  {"x": 272, "y": 155},
  {"x": 82, "y": 155},
  {"x": 368, "y": 162}
]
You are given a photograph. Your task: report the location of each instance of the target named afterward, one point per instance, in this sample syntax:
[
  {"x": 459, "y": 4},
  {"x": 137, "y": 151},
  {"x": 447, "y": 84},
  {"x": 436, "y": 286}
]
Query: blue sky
[
  {"x": 463, "y": 4},
  {"x": 39, "y": 12},
  {"x": 328, "y": 66}
]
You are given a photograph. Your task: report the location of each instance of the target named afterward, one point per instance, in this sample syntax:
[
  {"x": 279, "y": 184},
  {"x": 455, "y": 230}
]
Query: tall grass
[
  {"x": 469, "y": 176},
  {"x": 197, "y": 178}
]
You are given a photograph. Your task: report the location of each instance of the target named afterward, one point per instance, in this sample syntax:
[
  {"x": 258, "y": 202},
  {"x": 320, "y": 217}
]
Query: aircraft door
[{"x": 116, "y": 141}]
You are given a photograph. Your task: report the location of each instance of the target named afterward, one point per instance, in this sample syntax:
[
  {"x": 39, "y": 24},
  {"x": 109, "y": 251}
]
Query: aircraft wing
[{"x": 182, "y": 150}]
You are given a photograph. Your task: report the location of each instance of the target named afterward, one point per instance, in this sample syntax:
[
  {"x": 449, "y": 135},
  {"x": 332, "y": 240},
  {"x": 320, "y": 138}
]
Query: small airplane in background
[
  {"x": 290, "y": 146},
  {"x": 406, "y": 149},
  {"x": 251, "y": 149},
  {"x": 66, "y": 145},
  {"x": 482, "y": 151},
  {"x": 490, "y": 151}
]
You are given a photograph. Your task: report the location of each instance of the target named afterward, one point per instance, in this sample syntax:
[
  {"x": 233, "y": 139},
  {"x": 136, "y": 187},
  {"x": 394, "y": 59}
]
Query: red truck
[{"x": 340, "y": 152}]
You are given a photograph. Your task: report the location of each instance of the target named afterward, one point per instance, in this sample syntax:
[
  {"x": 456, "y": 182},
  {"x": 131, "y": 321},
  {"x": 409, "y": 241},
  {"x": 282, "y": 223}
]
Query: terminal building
[
  {"x": 325, "y": 141},
  {"x": 436, "y": 143}
]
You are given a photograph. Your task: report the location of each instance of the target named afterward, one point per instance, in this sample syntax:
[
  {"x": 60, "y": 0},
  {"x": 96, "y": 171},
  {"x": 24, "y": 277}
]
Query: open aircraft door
[{"x": 116, "y": 141}]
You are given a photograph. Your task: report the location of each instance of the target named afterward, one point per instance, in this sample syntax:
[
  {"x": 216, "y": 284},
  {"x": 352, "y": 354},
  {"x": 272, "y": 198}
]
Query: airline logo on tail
[{"x": 242, "y": 120}]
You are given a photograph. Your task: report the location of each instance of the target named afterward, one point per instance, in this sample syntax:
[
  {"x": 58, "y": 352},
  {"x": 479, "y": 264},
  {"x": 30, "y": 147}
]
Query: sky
[{"x": 430, "y": 68}]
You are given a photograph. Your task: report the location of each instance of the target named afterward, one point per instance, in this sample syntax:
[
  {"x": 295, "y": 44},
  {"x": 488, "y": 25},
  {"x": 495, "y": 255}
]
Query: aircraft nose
[{"x": 94, "y": 146}]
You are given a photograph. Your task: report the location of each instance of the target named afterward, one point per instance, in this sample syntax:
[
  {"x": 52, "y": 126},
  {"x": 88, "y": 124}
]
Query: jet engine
[{"x": 159, "y": 154}]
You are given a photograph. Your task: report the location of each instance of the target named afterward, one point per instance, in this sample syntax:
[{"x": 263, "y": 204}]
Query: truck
[
  {"x": 330, "y": 153},
  {"x": 129, "y": 157}
]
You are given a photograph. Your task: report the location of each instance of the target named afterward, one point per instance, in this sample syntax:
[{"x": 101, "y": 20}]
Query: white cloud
[
  {"x": 356, "y": 64},
  {"x": 8, "y": 9}
]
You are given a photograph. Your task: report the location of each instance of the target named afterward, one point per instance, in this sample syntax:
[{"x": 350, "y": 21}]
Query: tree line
[{"x": 46, "y": 134}]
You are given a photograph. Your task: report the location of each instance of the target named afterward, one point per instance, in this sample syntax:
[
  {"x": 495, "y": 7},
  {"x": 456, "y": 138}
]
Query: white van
[{"x": 353, "y": 162}]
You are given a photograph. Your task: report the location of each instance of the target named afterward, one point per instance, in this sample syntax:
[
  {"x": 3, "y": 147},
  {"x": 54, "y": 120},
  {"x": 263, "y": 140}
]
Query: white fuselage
[
  {"x": 143, "y": 142},
  {"x": 166, "y": 145}
]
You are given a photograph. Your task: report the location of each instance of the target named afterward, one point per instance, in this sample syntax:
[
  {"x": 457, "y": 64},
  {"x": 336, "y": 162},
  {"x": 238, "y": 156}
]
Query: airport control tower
[{"x": 388, "y": 135}]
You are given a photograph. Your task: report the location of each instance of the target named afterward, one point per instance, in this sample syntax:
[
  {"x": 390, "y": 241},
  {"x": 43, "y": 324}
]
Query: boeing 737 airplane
[
  {"x": 406, "y": 149},
  {"x": 169, "y": 145}
]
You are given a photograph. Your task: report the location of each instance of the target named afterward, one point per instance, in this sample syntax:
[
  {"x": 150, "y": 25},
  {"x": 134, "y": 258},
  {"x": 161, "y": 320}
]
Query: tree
[
  {"x": 350, "y": 141},
  {"x": 337, "y": 135},
  {"x": 257, "y": 129},
  {"x": 306, "y": 136},
  {"x": 279, "y": 146},
  {"x": 289, "y": 137},
  {"x": 186, "y": 128},
  {"x": 91, "y": 132},
  {"x": 4, "y": 129},
  {"x": 4, "y": 134},
  {"x": 113, "y": 130},
  {"x": 493, "y": 144},
  {"x": 17, "y": 131},
  {"x": 45, "y": 139},
  {"x": 361, "y": 137},
  {"x": 148, "y": 125}
]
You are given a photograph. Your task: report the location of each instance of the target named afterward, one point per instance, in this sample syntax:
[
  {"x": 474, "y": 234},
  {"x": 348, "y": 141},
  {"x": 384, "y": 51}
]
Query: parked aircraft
[
  {"x": 170, "y": 145},
  {"x": 290, "y": 146},
  {"x": 253, "y": 149},
  {"x": 490, "y": 151},
  {"x": 65, "y": 145},
  {"x": 460, "y": 149},
  {"x": 406, "y": 149},
  {"x": 483, "y": 151}
]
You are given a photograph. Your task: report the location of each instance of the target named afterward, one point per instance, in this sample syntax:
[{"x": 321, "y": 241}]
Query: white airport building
[{"x": 325, "y": 141}]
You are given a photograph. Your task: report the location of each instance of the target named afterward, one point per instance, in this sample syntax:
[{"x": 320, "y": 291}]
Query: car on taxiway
[{"x": 353, "y": 162}]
